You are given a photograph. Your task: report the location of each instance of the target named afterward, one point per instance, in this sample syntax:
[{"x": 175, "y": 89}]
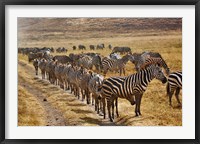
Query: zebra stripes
[
  {"x": 153, "y": 60},
  {"x": 86, "y": 62},
  {"x": 109, "y": 64},
  {"x": 131, "y": 88},
  {"x": 174, "y": 84},
  {"x": 144, "y": 58},
  {"x": 116, "y": 64}
]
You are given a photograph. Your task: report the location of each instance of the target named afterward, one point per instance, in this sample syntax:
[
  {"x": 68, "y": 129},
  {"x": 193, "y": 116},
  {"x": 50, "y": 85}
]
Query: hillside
[{"x": 78, "y": 28}]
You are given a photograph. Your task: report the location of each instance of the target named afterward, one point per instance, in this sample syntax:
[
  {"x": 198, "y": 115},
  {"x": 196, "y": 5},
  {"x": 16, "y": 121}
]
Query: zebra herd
[{"x": 78, "y": 77}]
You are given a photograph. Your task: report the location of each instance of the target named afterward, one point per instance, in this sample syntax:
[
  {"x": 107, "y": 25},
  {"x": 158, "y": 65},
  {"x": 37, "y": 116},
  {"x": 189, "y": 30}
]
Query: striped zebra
[
  {"x": 154, "y": 60},
  {"x": 94, "y": 84},
  {"x": 174, "y": 84},
  {"x": 97, "y": 62},
  {"x": 86, "y": 62},
  {"x": 141, "y": 59},
  {"x": 131, "y": 88},
  {"x": 35, "y": 64},
  {"x": 116, "y": 65}
]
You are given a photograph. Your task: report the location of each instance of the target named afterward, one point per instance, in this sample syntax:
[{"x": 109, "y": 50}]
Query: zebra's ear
[{"x": 90, "y": 72}]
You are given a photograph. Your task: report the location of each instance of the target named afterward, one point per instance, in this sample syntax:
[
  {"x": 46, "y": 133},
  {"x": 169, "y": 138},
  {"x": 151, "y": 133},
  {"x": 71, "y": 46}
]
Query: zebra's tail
[{"x": 167, "y": 88}]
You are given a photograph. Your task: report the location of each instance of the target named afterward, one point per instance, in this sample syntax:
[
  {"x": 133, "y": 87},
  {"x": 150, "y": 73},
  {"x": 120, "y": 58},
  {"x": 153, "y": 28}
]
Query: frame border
[{"x": 3, "y": 4}]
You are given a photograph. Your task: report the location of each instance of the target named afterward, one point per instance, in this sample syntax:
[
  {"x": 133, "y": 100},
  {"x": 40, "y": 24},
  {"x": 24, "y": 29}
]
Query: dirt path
[{"x": 56, "y": 116}]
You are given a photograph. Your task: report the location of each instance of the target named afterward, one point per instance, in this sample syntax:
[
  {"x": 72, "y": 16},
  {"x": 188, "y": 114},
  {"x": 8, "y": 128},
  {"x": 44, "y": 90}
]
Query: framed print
[{"x": 100, "y": 72}]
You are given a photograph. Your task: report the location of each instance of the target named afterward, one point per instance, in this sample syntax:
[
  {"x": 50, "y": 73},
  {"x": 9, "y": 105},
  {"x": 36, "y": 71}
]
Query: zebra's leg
[
  {"x": 116, "y": 104},
  {"x": 43, "y": 75},
  {"x": 96, "y": 101},
  {"x": 140, "y": 98},
  {"x": 77, "y": 92},
  {"x": 137, "y": 104},
  {"x": 104, "y": 107},
  {"x": 71, "y": 88},
  {"x": 83, "y": 95},
  {"x": 97, "y": 104},
  {"x": 177, "y": 96},
  {"x": 87, "y": 96},
  {"x": 100, "y": 104},
  {"x": 109, "y": 103},
  {"x": 170, "y": 97},
  {"x": 113, "y": 115}
]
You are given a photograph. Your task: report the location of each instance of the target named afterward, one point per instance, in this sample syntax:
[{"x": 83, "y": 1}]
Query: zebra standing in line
[
  {"x": 35, "y": 64},
  {"x": 131, "y": 88},
  {"x": 97, "y": 62},
  {"x": 174, "y": 84},
  {"x": 86, "y": 62},
  {"x": 42, "y": 66},
  {"x": 116, "y": 65},
  {"x": 94, "y": 84}
]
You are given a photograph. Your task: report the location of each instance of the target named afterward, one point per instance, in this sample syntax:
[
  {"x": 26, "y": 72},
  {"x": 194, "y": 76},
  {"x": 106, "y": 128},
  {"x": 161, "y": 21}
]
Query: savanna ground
[{"x": 40, "y": 103}]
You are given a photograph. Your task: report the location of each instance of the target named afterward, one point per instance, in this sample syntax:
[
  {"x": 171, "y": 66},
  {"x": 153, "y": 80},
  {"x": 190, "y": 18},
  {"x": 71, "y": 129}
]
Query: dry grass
[{"x": 30, "y": 112}]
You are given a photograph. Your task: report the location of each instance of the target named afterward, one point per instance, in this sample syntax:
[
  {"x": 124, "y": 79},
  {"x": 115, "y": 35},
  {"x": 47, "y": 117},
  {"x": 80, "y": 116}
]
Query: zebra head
[
  {"x": 99, "y": 82},
  {"x": 158, "y": 73},
  {"x": 131, "y": 58}
]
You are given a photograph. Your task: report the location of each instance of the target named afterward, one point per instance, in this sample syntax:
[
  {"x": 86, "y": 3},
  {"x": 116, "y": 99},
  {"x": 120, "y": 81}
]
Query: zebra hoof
[
  {"x": 101, "y": 114},
  {"x": 111, "y": 120}
]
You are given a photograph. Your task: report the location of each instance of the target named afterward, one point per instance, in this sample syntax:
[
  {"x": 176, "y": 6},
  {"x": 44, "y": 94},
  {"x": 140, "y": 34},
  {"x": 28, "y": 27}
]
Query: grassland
[{"x": 155, "y": 107}]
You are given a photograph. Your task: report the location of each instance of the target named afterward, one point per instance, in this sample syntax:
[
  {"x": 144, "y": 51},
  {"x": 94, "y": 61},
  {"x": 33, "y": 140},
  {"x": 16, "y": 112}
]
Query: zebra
[
  {"x": 83, "y": 82},
  {"x": 42, "y": 66},
  {"x": 92, "y": 47},
  {"x": 130, "y": 87},
  {"x": 81, "y": 47},
  {"x": 35, "y": 64},
  {"x": 97, "y": 62},
  {"x": 86, "y": 62},
  {"x": 94, "y": 84},
  {"x": 116, "y": 65},
  {"x": 154, "y": 60},
  {"x": 174, "y": 84},
  {"x": 140, "y": 59},
  {"x": 114, "y": 56},
  {"x": 100, "y": 46}
]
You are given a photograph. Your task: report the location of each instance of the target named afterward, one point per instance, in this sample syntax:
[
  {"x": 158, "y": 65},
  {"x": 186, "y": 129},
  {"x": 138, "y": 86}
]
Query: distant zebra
[
  {"x": 131, "y": 88},
  {"x": 97, "y": 62},
  {"x": 174, "y": 84},
  {"x": 86, "y": 62},
  {"x": 81, "y": 47},
  {"x": 35, "y": 64},
  {"x": 116, "y": 65},
  {"x": 74, "y": 47},
  {"x": 100, "y": 46},
  {"x": 92, "y": 47}
]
